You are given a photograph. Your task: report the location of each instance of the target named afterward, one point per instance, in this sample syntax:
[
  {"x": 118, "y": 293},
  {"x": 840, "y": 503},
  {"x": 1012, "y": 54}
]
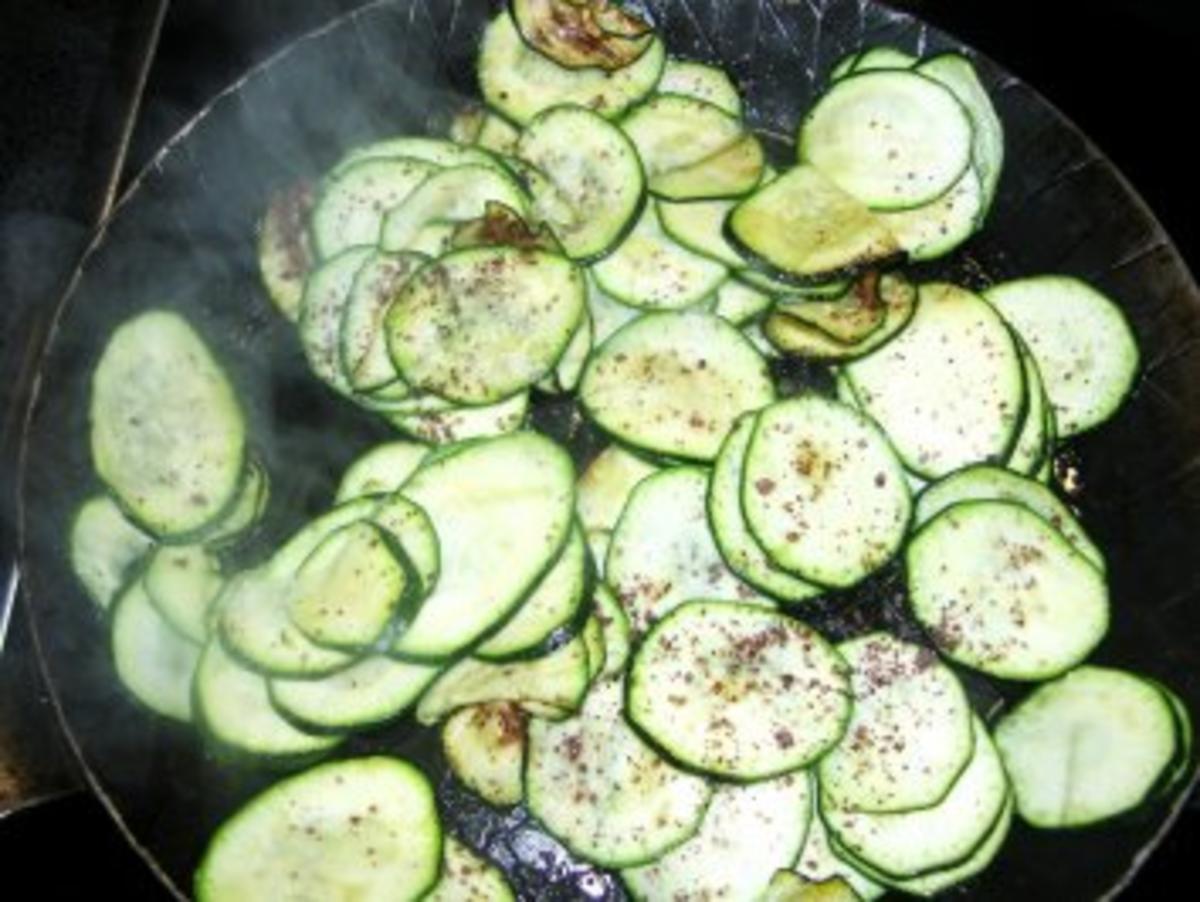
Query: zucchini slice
[
  {"x": 381, "y": 471},
  {"x": 699, "y": 226},
  {"x": 1083, "y": 344},
  {"x": 556, "y": 681},
  {"x": 572, "y": 34},
  {"x": 787, "y": 886},
  {"x": 182, "y": 582},
  {"x": 740, "y": 304},
  {"x": 466, "y": 877},
  {"x": 617, "y": 633},
  {"x": 673, "y": 132},
  {"x": 739, "y": 691},
  {"x": 593, "y": 173},
  {"x": 823, "y": 491},
  {"x": 1001, "y": 590},
  {"x": 964, "y": 403},
  {"x": 552, "y": 604},
  {"x": 910, "y": 735},
  {"x": 882, "y": 57},
  {"x": 442, "y": 154},
  {"x": 519, "y": 82},
  {"x": 458, "y": 424},
  {"x": 1086, "y": 747},
  {"x": 605, "y": 486},
  {"x": 733, "y": 172},
  {"x": 168, "y": 436},
  {"x": 892, "y": 138},
  {"x": 366, "y": 828},
  {"x": 326, "y": 297},
  {"x": 984, "y": 483},
  {"x": 1035, "y": 442},
  {"x": 748, "y": 833},
  {"x": 480, "y": 325},
  {"x": 285, "y": 253},
  {"x": 608, "y": 314},
  {"x": 474, "y": 497},
  {"x": 370, "y": 691},
  {"x": 246, "y": 511},
  {"x": 105, "y": 547},
  {"x": 662, "y": 552},
  {"x": 703, "y": 82},
  {"x": 738, "y": 544},
  {"x": 938, "y": 227},
  {"x": 818, "y": 864},
  {"x": 233, "y": 705},
  {"x": 910, "y": 843},
  {"x": 674, "y": 383},
  {"x": 808, "y": 230},
  {"x": 485, "y": 748},
  {"x": 598, "y": 788},
  {"x": 850, "y": 319},
  {"x": 354, "y": 203},
  {"x": 153, "y": 661},
  {"x": 650, "y": 271},
  {"x": 363, "y": 339}
]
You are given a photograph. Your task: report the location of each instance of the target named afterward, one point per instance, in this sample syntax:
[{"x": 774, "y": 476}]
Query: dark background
[{"x": 70, "y": 71}]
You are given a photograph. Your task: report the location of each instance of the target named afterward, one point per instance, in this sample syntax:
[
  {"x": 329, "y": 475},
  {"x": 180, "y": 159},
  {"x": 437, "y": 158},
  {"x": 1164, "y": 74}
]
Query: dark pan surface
[{"x": 184, "y": 238}]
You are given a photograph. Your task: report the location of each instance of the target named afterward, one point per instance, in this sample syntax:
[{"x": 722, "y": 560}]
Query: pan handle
[{"x": 34, "y": 765}]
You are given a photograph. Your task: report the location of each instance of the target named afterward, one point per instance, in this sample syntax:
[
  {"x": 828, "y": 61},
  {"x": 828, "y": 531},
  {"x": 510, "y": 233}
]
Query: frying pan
[{"x": 183, "y": 237}]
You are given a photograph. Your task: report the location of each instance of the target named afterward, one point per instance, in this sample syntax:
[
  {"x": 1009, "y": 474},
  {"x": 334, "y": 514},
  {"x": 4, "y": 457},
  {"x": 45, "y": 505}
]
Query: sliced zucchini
[
  {"x": 958, "y": 74},
  {"x": 354, "y": 203},
  {"x": 608, "y": 314},
  {"x": 618, "y": 634},
  {"x": 650, "y": 271},
  {"x": 234, "y": 707},
  {"x": 570, "y": 366},
  {"x": 733, "y": 172},
  {"x": 458, "y": 424},
  {"x": 593, "y": 640},
  {"x": 964, "y": 403},
  {"x": 474, "y": 497},
  {"x": 594, "y": 174},
  {"x": 571, "y": 33},
  {"x": 1001, "y": 590},
  {"x": 739, "y": 304},
  {"x": 663, "y": 553},
  {"x": 326, "y": 297},
  {"x": 366, "y": 828},
  {"x": 787, "y": 886},
  {"x": 598, "y": 788},
  {"x": 671, "y": 132},
  {"x": 363, "y": 338},
  {"x": 246, "y": 511},
  {"x": 347, "y": 592},
  {"x": 501, "y": 225},
  {"x": 790, "y": 290},
  {"x": 818, "y": 864},
  {"x": 552, "y": 604},
  {"x": 498, "y": 135},
  {"x": 598, "y": 541},
  {"x": 883, "y": 57},
  {"x": 823, "y": 492},
  {"x": 1083, "y": 344},
  {"x": 674, "y": 383},
  {"x": 1086, "y": 747},
  {"x": 703, "y": 82},
  {"x": 381, "y": 471},
  {"x": 451, "y": 196},
  {"x": 808, "y": 230},
  {"x": 892, "y": 138},
  {"x": 739, "y": 691},
  {"x": 168, "y": 436},
  {"x": 748, "y": 833},
  {"x": 105, "y": 547},
  {"x": 737, "y": 543},
  {"x": 480, "y": 325},
  {"x": 910, "y": 735},
  {"x": 371, "y": 691},
  {"x": 182, "y": 582},
  {"x": 441, "y": 153},
  {"x": 910, "y": 843},
  {"x": 285, "y": 253},
  {"x": 1034, "y": 443},
  {"x": 466, "y": 877},
  {"x": 557, "y": 681},
  {"x": 850, "y": 319},
  {"x": 519, "y": 82},
  {"x": 606, "y": 485},
  {"x": 409, "y": 527},
  {"x": 984, "y": 483},
  {"x": 845, "y": 65},
  {"x": 899, "y": 299},
  {"x": 699, "y": 226},
  {"x": 153, "y": 661},
  {"x": 485, "y": 748},
  {"x": 938, "y": 227}
]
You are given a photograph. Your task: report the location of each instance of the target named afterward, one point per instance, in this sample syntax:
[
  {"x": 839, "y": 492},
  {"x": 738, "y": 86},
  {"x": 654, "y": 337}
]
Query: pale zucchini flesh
[
  {"x": 153, "y": 661},
  {"x": 606, "y": 485},
  {"x": 381, "y": 470},
  {"x": 105, "y": 547},
  {"x": 373, "y": 690},
  {"x": 485, "y": 748},
  {"x": 182, "y": 582}
]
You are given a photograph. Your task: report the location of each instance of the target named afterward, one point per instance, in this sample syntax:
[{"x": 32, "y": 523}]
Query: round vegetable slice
[
  {"x": 893, "y": 139},
  {"x": 371, "y": 691},
  {"x": 1086, "y": 747},
  {"x": 823, "y": 491},
  {"x": 104, "y": 548},
  {"x": 703, "y": 82},
  {"x": 363, "y": 339},
  {"x": 603, "y": 791},
  {"x": 480, "y": 325},
  {"x": 466, "y": 877},
  {"x": 182, "y": 581},
  {"x": 1001, "y": 590},
  {"x": 738, "y": 691},
  {"x": 910, "y": 735},
  {"x": 675, "y": 383},
  {"x": 366, "y": 829},
  {"x": 485, "y": 748},
  {"x": 153, "y": 661}
]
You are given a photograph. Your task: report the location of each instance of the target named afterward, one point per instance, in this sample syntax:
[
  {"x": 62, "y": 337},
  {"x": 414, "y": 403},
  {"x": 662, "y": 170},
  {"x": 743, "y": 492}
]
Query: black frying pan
[{"x": 184, "y": 237}]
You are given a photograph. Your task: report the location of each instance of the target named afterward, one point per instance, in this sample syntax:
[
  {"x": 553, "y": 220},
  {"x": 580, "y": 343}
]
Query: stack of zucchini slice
[{"x": 630, "y": 653}]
